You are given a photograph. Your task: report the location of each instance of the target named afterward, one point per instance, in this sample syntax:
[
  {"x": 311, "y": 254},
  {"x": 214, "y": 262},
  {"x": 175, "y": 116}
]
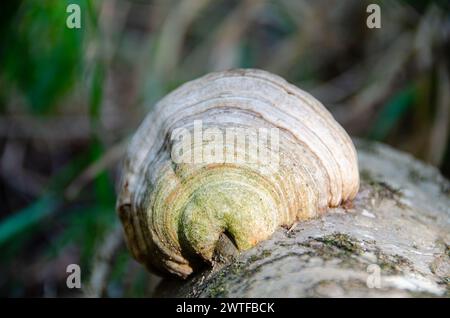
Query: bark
[{"x": 393, "y": 240}]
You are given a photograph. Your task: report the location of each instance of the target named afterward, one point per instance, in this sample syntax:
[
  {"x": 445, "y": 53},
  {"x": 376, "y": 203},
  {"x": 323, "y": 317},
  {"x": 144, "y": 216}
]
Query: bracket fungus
[{"x": 233, "y": 154}]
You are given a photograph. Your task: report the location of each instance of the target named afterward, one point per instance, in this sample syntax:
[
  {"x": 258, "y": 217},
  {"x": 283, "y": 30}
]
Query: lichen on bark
[{"x": 398, "y": 227}]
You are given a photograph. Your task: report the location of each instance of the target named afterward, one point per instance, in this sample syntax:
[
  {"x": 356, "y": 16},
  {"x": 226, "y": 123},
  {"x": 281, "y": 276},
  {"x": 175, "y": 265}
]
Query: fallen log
[{"x": 393, "y": 240}]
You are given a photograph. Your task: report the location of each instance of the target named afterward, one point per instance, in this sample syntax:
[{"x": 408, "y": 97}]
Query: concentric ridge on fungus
[{"x": 174, "y": 213}]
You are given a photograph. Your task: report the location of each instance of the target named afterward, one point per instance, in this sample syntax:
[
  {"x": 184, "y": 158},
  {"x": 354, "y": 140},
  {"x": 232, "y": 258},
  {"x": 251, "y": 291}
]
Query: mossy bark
[{"x": 393, "y": 240}]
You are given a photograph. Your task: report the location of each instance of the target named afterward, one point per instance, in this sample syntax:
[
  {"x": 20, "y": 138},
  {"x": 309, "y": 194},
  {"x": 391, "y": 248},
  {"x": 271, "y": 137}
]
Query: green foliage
[
  {"x": 43, "y": 56},
  {"x": 84, "y": 227},
  {"x": 96, "y": 92},
  {"x": 392, "y": 112},
  {"x": 27, "y": 217},
  {"x": 103, "y": 185}
]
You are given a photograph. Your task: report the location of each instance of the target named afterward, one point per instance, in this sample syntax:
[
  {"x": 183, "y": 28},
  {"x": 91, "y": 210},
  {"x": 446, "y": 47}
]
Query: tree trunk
[{"x": 392, "y": 241}]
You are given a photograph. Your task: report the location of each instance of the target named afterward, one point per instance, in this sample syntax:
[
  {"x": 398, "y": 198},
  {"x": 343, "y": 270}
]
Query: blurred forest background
[{"x": 71, "y": 98}]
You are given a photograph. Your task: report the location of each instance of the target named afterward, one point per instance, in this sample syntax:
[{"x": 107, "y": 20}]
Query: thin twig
[
  {"x": 103, "y": 262},
  {"x": 108, "y": 159}
]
